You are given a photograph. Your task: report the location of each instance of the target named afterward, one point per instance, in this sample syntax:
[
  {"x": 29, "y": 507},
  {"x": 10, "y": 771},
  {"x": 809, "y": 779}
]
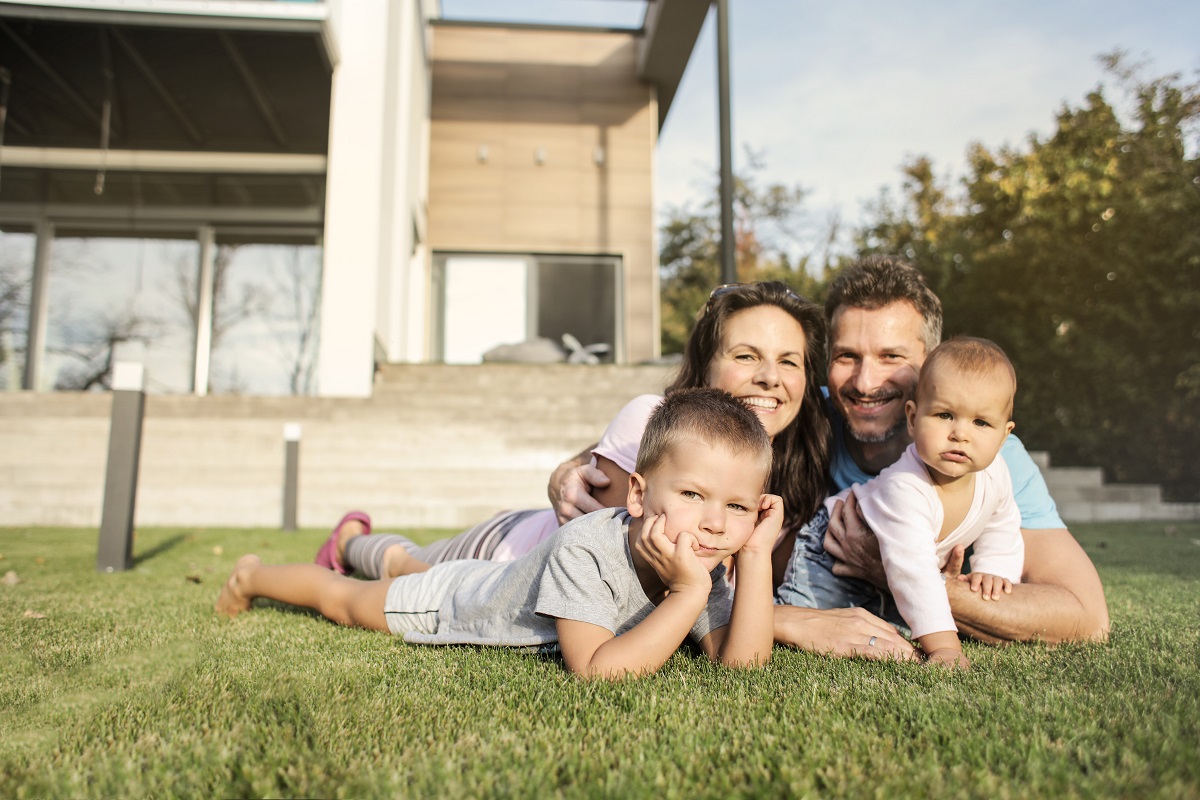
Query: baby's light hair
[
  {"x": 711, "y": 416},
  {"x": 968, "y": 355}
]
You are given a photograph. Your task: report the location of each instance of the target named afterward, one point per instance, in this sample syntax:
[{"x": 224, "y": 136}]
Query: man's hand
[
  {"x": 841, "y": 632},
  {"x": 570, "y": 488},
  {"x": 677, "y": 565},
  {"x": 853, "y": 545}
]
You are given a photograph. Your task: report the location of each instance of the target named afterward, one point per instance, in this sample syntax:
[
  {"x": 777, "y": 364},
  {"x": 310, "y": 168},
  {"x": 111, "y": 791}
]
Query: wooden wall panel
[{"x": 565, "y": 93}]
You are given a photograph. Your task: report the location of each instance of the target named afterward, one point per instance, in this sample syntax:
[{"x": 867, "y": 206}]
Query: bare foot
[
  {"x": 397, "y": 561},
  {"x": 350, "y": 528},
  {"x": 232, "y": 601}
]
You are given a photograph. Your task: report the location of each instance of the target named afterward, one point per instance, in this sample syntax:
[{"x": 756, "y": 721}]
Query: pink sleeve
[{"x": 621, "y": 438}]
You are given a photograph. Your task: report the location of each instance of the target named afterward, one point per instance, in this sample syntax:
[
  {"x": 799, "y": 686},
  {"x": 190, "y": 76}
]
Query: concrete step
[
  {"x": 1108, "y": 493},
  {"x": 1073, "y": 477},
  {"x": 1121, "y": 512},
  {"x": 437, "y": 446}
]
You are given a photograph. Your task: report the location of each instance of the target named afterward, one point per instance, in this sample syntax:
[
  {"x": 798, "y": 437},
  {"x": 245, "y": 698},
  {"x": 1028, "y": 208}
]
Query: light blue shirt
[{"x": 1037, "y": 507}]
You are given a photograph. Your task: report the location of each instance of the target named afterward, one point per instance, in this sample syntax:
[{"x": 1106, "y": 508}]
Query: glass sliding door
[
  {"x": 16, "y": 278},
  {"x": 120, "y": 299},
  {"x": 266, "y": 308},
  {"x": 484, "y": 300}
]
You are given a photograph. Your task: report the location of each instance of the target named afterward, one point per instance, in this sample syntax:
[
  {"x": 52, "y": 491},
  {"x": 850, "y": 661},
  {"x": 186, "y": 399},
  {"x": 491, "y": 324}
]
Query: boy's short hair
[
  {"x": 970, "y": 355},
  {"x": 710, "y": 415}
]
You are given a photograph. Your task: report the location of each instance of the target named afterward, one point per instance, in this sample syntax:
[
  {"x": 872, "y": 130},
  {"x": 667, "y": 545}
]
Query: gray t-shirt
[{"x": 584, "y": 572}]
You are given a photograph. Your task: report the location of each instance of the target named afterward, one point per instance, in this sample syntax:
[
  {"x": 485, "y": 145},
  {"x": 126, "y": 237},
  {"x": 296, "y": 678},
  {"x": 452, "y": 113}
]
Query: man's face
[{"x": 875, "y": 355}]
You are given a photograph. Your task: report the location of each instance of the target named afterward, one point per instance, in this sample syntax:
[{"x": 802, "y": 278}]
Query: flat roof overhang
[{"x": 158, "y": 88}]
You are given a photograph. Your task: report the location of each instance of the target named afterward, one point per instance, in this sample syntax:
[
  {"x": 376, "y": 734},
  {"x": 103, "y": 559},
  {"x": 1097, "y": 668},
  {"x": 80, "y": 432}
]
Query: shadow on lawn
[{"x": 159, "y": 549}]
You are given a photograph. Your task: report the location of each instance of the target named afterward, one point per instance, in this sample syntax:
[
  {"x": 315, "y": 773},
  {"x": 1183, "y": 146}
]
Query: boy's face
[
  {"x": 960, "y": 421},
  {"x": 707, "y": 490}
]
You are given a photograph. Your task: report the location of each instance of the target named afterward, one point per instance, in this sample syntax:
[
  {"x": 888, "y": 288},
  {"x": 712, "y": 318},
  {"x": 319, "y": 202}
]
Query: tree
[
  {"x": 770, "y": 229},
  {"x": 1080, "y": 255}
]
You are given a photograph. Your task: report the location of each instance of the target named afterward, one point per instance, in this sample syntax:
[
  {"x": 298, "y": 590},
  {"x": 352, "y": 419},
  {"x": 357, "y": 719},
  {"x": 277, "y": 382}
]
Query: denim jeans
[{"x": 809, "y": 581}]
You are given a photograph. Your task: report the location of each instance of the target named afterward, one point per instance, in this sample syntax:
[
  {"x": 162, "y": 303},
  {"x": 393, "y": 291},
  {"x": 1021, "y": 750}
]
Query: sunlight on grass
[{"x": 129, "y": 685}]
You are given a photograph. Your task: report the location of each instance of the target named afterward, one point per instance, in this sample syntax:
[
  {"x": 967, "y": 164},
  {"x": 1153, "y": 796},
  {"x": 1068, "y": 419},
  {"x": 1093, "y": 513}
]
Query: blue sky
[{"x": 835, "y": 96}]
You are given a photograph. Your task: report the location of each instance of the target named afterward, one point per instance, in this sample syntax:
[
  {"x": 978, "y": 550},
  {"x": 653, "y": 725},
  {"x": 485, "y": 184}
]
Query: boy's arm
[
  {"x": 748, "y": 638},
  {"x": 593, "y": 651}
]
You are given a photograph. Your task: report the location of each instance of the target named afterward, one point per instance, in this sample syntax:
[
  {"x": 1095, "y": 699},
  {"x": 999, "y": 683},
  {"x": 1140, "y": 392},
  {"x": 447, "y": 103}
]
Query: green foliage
[
  {"x": 1080, "y": 255},
  {"x": 128, "y": 685},
  {"x": 769, "y": 226}
]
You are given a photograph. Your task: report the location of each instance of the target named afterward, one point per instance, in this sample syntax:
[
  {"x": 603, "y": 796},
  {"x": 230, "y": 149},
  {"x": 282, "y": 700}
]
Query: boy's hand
[
  {"x": 677, "y": 565},
  {"x": 766, "y": 530},
  {"x": 990, "y": 587}
]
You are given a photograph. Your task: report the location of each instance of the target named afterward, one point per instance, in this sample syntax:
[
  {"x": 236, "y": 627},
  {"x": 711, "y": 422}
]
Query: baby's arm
[
  {"x": 748, "y": 638},
  {"x": 944, "y": 649},
  {"x": 594, "y": 652}
]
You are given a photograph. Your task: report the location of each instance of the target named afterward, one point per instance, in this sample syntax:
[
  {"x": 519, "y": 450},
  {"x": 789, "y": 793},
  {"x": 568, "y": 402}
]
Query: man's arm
[{"x": 1060, "y": 598}]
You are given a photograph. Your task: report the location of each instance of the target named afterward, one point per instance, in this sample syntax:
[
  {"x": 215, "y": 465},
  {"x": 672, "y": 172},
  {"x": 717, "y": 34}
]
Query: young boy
[
  {"x": 617, "y": 590},
  {"x": 947, "y": 489}
]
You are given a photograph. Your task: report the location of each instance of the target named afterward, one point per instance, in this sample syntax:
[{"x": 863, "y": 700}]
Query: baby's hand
[
  {"x": 677, "y": 565},
  {"x": 990, "y": 587},
  {"x": 948, "y": 657},
  {"x": 766, "y": 529}
]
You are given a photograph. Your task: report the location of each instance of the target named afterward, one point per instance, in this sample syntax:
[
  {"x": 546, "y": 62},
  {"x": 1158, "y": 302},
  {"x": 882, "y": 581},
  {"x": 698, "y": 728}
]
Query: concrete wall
[
  {"x": 572, "y": 94},
  {"x": 435, "y": 446}
]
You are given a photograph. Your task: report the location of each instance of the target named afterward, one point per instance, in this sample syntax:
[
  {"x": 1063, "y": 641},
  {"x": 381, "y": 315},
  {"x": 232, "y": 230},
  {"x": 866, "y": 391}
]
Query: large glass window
[
  {"x": 117, "y": 299},
  {"x": 266, "y": 307},
  {"x": 16, "y": 277},
  {"x": 487, "y": 300}
]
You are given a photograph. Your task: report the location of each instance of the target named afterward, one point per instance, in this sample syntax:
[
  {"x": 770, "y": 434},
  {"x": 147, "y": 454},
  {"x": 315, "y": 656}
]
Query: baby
[
  {"x": 947, "y": 489},
  {"x": 616, "y": 591}
]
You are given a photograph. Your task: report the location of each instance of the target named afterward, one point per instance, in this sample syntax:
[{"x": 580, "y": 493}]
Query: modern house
[
  {"x": 321, "y": 213},
  {"x": 258, "y": 197}
]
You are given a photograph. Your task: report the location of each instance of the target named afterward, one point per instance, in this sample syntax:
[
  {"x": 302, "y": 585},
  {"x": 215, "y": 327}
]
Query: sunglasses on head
[{"x": 729, "y": 288}]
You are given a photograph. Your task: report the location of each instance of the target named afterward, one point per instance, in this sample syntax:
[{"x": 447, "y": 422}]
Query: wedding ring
[{"x": 871, "y": 641}]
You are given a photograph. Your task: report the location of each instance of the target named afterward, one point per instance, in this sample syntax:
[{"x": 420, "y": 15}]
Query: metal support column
[
  {"x": 204, "y": 310},
  {"x": 39, "y": 305},
  {"x": 728, "y": 249}
]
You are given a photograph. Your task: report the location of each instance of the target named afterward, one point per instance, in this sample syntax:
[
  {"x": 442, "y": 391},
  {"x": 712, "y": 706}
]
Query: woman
[{"x": 759, "y": 342}]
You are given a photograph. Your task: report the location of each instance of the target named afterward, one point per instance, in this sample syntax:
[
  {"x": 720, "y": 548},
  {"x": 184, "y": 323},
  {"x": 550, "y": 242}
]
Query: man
[{"x": 883, "y": 321}]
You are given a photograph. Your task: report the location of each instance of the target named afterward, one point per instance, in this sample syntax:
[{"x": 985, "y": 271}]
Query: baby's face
[
  {"x": 959, "y": 424},
  {"x": 707, "y": 490}
]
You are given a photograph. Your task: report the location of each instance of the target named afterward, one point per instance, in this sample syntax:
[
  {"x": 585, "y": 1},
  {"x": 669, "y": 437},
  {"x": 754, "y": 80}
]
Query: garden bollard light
[
  {"x": 120, "y": 483},
  {"x": 291, "y": 474}
]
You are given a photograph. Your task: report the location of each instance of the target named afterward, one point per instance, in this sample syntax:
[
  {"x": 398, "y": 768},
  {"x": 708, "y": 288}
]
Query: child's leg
[
  {"x": 383, "y": 555},
  {"x": 343, "y": 600}
]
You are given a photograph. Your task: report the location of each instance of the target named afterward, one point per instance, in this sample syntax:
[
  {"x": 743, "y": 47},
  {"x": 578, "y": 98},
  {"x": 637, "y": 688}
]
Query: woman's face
[{"x": 760, "y": 360}]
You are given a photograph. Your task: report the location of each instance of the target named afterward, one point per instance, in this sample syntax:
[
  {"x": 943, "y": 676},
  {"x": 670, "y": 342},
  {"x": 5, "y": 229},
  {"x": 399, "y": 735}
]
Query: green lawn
[{"x": 128, "y": 685}]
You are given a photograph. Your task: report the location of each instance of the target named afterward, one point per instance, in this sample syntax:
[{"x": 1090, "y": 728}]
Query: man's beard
[{"x": 879, "y": 438}]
